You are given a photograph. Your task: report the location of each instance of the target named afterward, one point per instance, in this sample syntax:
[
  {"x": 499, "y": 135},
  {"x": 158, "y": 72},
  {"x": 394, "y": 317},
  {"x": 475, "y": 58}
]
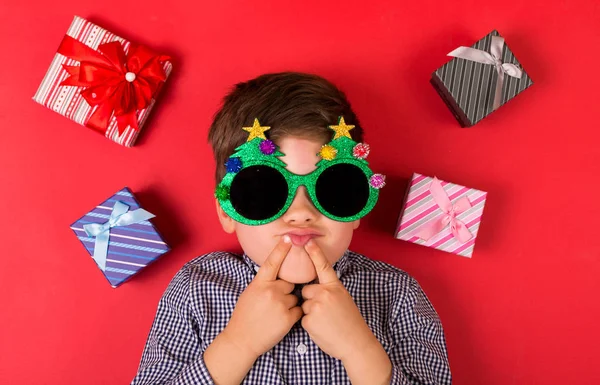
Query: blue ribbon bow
[{"x": 120, "y": 216}]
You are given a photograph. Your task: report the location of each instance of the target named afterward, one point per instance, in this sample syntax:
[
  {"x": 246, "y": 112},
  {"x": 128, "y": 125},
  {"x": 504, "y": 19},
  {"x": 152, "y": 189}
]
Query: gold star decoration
[
  {"x": 342, "y": 129},
  {"x": 256, "y": 131}
]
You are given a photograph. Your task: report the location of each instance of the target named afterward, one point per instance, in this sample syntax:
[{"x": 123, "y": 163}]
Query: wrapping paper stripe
[
  {"x": 420, "y": 208},
  {"x": 472, "y": 85},
  {"x": 130, "y": 248},
  {"x": 67, "y": 101}
]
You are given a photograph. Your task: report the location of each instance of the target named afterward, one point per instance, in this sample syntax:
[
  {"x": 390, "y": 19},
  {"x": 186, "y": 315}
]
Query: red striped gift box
[
  {"x": 68, "y": 101},
  {"x": 422, "y": 212}
]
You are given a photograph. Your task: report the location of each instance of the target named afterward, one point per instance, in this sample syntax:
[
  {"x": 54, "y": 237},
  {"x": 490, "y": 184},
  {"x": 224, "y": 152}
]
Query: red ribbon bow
[{"x": 115, "y": 81}]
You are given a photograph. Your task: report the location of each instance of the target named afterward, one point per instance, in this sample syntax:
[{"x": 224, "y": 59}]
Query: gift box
[
  {"x": 119, "y": 237},
  {"x": 480, "y": 79},
  {"x": 103, "y": 81},
  {"x": 441, "y": 215}
]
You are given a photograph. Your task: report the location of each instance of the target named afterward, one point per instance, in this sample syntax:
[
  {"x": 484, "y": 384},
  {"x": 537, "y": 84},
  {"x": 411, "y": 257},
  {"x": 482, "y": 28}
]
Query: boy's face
[{"x": 302, "y": 221}]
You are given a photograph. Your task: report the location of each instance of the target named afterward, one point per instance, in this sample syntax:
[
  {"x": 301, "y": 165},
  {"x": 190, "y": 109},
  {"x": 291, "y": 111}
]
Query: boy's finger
[
  {"x": 270, "y": 268},
  {"x": 295, "y": 314},
  {"x": 324, "y": 269},
  {"x": 284, "y": 286},
  {"x": 306, "y": 305},
  {"x": 309, "y": 291},
  {"x": 290, "y": 301}
]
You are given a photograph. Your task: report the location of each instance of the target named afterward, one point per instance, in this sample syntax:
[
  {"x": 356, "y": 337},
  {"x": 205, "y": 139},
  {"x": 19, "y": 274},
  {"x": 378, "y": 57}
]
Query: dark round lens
[
  {"x": 342, "y": 190},
  {"x": 258, "y": 192}
]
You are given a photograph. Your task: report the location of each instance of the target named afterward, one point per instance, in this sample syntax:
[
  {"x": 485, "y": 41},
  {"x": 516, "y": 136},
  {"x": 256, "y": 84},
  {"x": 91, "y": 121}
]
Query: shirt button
[{"x": 301, "y": 349}]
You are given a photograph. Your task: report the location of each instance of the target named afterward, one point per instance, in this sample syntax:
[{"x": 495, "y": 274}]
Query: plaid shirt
[{"x": 200, "y": 299}]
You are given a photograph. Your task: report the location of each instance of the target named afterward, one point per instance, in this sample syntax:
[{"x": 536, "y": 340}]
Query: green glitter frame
[{"x": 250, "y": 155}]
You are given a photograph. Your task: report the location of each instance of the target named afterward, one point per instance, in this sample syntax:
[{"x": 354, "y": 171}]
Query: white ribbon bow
[{"x": 494, "y": 57}]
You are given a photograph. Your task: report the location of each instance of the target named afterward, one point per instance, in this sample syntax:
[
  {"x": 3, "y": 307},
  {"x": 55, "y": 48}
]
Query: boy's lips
[
  {"x": 301, "y": 237},
  {"x": 300, "y": 240}
]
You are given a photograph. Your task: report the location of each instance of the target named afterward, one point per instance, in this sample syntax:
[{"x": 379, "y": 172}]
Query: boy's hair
[{"x": 291, "y": 103}]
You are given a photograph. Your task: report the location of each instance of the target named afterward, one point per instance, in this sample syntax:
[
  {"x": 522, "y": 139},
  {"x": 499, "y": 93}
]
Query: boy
[{"x": 297, "y": 307}]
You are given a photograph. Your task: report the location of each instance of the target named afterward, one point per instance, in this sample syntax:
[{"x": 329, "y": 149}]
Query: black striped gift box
[{"x": 468, "y": 87}]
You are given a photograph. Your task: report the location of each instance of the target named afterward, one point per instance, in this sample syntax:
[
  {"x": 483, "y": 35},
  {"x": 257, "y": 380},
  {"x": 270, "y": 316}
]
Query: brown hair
[{"x": 291, "y": 103}]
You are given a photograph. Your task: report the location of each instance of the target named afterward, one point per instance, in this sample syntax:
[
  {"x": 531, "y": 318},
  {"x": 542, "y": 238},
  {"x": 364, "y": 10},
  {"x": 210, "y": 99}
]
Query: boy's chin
[
  {"x": 297, "y": 267},
  {"x": 297, "y": 276}
]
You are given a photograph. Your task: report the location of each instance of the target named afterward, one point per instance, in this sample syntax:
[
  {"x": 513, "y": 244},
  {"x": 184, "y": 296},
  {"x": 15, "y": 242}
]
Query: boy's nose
[{"x": 301, "y": 210}]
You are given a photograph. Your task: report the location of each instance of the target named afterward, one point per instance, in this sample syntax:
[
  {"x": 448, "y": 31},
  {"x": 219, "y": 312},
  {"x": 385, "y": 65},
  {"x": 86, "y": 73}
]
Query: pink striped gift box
[
  {"x": 84, "y": 65},
  {"x": 441, "y": 215}
]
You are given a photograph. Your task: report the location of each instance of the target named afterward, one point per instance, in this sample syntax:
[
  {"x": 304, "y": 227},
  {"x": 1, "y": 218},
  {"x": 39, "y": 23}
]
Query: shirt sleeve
[
  {"x": 173, "y": 352},
  {"x": 418, "y": 350}
]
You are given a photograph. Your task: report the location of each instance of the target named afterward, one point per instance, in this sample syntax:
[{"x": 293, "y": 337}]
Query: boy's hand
[
  {"x": 331, "y": 317},
  {"x": 266, "y": 310}
]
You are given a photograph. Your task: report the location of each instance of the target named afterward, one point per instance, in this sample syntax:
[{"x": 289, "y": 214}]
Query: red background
[{"x": 523, "y": 310}]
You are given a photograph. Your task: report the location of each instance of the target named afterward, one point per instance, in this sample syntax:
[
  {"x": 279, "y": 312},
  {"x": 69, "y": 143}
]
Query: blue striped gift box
[{"x": 130, "y": 248}]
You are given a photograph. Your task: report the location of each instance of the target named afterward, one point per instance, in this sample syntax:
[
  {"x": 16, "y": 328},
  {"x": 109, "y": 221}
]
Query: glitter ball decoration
[
  {"x": 267, "y": 147},
  {"x": 361, "y": 151},
  {"x": 328, "y": 152},
  {"x": 377, "y": 181},
  {"x": 233, "y": 164},
  {"x": 222, "y": 192}
]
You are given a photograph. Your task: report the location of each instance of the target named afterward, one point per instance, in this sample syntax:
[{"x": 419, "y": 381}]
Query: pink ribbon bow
[{"x": 448, "y": 217}]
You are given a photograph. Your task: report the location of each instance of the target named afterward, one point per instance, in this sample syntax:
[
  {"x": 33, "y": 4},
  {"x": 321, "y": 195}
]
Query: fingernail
[
  {"x": 310, "y": 242},
  {"x": 287, "y": 239}
]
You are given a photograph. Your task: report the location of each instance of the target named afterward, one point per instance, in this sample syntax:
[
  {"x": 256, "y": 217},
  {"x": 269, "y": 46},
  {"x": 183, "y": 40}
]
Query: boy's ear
[
  {"x": 226, "y": 221},
  {"x": 355, "y": 224}
]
